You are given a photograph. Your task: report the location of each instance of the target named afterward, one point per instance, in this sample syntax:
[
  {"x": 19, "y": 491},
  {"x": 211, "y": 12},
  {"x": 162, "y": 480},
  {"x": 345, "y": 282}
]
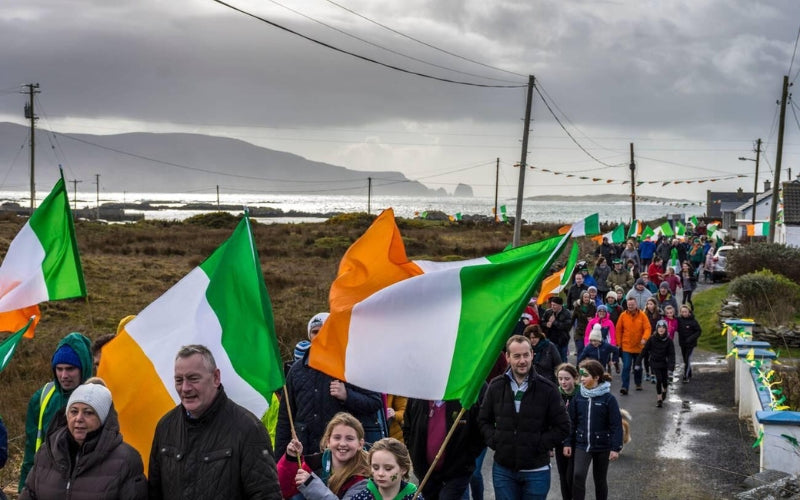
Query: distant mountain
[{"x": 161, "y": 163}]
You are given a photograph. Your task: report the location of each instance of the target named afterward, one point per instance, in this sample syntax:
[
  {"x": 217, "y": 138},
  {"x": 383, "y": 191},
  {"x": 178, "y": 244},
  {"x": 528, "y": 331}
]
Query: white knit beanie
[
  {"x": 317, "y": 321},
  {"x": 94, "y": 395},
  {"x": 596, "y": 333}
]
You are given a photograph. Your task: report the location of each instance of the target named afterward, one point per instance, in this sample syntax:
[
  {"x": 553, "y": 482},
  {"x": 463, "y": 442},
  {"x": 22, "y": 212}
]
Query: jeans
[
  {"x": 452, "y": 489},
  {"x": 631, "y": 359},
  {"x": 599, "y": 461},
  {"x": 578, "y": 348},
  {"x": 686, "y": 352},
  {"x": 563, "y": 350},
  {"x": 510, "y": 485},
  {"x": 476, "y": 480}
]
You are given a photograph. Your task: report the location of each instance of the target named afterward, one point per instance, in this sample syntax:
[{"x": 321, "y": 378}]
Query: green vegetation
[
  {"x": 779, "y": 259},
  {"x": 772, "y": 299},
  {"x": 707, "y": 304}
]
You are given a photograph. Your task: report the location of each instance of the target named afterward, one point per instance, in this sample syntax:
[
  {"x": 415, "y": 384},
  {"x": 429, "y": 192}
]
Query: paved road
[{"x": 693, "y": 448}]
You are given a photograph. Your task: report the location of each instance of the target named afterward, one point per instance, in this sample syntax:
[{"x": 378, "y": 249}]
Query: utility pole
[
  {"x": 369, "y": 193},
  {"x": 97, "y": 210},
  {"x": 633, "y": 187},
  {"x": 217, "y": 197},
  {"x": 523, "y": 162},
  {"x": 755, "y": 183},
  {"x": 773, "y": 209},
  {"x": 75, "y": 194},
  {"x": 33, "y": 88},
  {"x": 496, "y": 182}
]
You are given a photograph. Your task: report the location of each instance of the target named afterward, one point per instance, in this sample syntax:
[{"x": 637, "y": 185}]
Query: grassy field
[
  {"x": 128, "y": 266},
  {"x": 707, "y": 304}
]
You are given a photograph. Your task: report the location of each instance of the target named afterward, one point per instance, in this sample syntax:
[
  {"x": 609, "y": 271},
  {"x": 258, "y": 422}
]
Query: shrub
[
  {"x": 771, "y": 298},
  {"x": 361, "y": 220},
  {"x": 215, "y": 220},
  {"x": 756, "y": 256}
]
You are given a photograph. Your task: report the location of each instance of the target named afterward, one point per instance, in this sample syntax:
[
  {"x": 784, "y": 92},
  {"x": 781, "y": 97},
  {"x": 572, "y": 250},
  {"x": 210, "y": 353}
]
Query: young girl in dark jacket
[
  {"x": 567, "y": 376},
  {"x": 596, "y": 436},
  {"x": 688, "y": 334},
  {"x": 661, "y": 352}
]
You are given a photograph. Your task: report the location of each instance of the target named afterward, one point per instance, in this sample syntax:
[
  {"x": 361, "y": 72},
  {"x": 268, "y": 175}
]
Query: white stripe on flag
[
  {"x": 22, "y": 267},
  {"x": 383, "y": 334}
]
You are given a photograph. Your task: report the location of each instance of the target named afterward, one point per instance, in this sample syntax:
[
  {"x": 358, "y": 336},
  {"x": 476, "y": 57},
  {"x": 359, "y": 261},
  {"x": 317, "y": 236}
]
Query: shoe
[
  {"x": 623, "y": 391},
  {"x": 653, "y": 380},
  {"x": 659, "y": 404},
  {"x": 685, "y": 380},
  {"x": 616, "y": 367},
  {"x": 638, "y": 387}
]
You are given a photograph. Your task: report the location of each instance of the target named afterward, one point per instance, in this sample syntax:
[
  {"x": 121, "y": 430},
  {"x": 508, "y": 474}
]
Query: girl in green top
[{"x": 390, "y": 466}]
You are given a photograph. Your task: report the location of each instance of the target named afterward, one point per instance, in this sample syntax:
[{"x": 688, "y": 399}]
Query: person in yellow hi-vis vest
[{"x": 72, "y": 365}]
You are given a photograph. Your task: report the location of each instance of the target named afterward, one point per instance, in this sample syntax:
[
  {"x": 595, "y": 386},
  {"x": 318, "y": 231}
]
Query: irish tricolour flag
[
  {"x": 42, "y": 263},
  {"x": 422, "y": 329},
  {"x": 222, "y": 304}
]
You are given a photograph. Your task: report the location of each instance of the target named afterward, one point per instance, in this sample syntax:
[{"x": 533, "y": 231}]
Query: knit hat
[
  {"x": 300, "y": 349},
  {"x": 611, "y": 295},
  {"x": 664, "y": 284},
  {"x": 602, "y": 307},
  {"x": 639, "y": 281},
  {"x": 592, "y": 288},
  {"x": 317, "y": 321},
  {"x": 66, "y": 355},
  {"x": 94, "y": 395},
  {"x": 661, "y": 322},
  {"x": 596, "y": 333}
]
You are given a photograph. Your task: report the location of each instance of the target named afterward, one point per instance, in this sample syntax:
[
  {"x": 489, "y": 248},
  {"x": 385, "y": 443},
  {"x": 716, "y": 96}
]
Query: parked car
[{"x": 720, "y": 271}]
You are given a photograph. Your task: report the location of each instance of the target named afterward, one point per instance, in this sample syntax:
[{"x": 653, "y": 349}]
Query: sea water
[{"x": 404, "y": 206}]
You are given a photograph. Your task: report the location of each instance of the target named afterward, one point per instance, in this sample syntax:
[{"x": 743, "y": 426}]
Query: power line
[
  {"x": 426, "y": 44},
  {"x": 356, "y": 37},
  {"x": 794, "y": 53},
  {"x": 363, "y": 58}
]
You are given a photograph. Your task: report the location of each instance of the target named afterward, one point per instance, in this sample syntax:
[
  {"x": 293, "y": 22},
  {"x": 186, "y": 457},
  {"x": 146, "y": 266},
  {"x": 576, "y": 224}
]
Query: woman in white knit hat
[{"x": 84, "y": 456}]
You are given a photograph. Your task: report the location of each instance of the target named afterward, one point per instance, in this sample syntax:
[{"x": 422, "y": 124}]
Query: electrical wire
[
  {"x": 13, "y": 161},
  {"x": 426, "y": 44},
  {"x": 794, "y": 53},
  {"x": 359, "y": 56},
  {"x": 392, "y": 51}
]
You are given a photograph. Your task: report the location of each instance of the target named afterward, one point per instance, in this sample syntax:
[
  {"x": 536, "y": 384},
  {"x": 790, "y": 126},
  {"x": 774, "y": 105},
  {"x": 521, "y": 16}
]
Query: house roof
[
  {"x": 791, "y": 202},
  {"x": 718, "y": 202},
  {"x": 761, "y": 197}
]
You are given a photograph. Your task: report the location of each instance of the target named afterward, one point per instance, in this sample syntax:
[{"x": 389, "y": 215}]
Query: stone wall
[{"x": 778, "y": 337}]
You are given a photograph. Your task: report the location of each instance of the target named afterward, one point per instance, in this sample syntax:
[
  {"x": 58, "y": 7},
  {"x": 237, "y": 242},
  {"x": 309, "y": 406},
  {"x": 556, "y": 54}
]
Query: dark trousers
[
  {"x": 686, "y": 352},
  {"x": 451, "y": 489},
  {"x": 687, "y": 297},
  {"x": 565, "y": 472},
  {"x": 661, "y": 381},
  {"x": 599, "y": 461}
]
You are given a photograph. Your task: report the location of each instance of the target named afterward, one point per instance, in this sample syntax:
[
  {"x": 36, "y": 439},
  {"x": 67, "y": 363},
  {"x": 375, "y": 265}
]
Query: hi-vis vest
[{"x": 44, "y": 398}]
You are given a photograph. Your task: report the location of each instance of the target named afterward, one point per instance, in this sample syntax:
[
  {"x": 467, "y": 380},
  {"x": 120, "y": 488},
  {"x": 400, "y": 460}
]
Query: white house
[
  {"x": 744, "y": 212},
  {"x": 789, "y": 231}
]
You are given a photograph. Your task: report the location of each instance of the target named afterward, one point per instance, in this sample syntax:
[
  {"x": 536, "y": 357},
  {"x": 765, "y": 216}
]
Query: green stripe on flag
[
  {"x": 634, "y": 230},
  {"x": 618, "y": 234},
  {"x": 569, "y": 267},
  {"x": 238, "y": 296},
  {"x": 666, "y": 229},
  {"x": 53, "y": 226},
  {"x": 646, "y": 233},
  {"x": 592, "y": 225},
  {"x": 9, "y": 345},
  {"x": 492, "y": 298}
]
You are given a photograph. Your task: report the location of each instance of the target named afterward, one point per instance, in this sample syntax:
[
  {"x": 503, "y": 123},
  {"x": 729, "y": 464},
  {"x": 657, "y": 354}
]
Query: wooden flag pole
[
  {"x": 291, "y": 420},
  {"x": 439, "y": 453}
]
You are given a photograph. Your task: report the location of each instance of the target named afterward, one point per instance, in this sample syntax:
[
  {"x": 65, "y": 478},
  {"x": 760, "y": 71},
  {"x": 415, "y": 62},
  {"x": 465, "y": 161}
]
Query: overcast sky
[{"x": 691, "y": 83}]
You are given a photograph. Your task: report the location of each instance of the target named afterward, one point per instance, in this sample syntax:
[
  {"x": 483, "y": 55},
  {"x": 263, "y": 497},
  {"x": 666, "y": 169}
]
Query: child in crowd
[
  {"x": 689, "y": 332},
  {"x": 567, "y": 376},
  {"x": 653, "y": 315},
  {"x": 613, "y": 307},
  {"x": 340, "y": 470},
  {"x": 672, "y": 280},
  {"x": 606, "y": 326},
  {"x": 660, "y": 350},
  {"x": 390, "y": 464},
  {"x": 600, "y": 350},
  {"x": 596, "y": 436}
]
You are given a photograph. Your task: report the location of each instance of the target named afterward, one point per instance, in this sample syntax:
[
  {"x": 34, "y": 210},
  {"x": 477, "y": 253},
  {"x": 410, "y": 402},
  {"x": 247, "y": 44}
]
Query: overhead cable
[{"x": 364, "y": 58}]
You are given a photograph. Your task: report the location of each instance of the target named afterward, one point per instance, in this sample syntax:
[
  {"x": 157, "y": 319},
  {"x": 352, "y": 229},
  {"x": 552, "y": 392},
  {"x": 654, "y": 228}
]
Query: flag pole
[
  {"x": 291, "y": 420},
  {"x": 439, "y": 453}
]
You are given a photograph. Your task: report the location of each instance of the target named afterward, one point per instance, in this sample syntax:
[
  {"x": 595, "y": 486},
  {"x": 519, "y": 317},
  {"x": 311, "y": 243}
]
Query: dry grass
[{"x": 128, "y": 266}]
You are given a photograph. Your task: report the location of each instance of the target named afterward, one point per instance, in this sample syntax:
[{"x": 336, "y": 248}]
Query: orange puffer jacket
[{"x": 633, "y": 330}]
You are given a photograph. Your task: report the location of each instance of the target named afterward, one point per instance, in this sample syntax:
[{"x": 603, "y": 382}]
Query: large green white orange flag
[
  {"x": 590, "y": 226},
  {"x": 429, "y": 330},
  {"x": 558, "y": 281},
  {"x": 222, "y": 304},
  {"x": 42, "y": 263}
]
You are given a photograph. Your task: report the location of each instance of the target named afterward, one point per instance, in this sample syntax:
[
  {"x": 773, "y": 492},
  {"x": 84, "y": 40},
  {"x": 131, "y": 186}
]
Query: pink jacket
[
  {"x": 607, "y": 323},
  {"x": 672, "y": 326}
]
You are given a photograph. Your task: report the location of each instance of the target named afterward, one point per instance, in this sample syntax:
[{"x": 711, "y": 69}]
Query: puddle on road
[{"x": 681, "y": 434}]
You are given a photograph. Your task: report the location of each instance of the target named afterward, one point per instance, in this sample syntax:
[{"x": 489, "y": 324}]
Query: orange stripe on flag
[
  {"x": 376, "y": 260},
  {"x": 548, "y": 286},
  {"x": 14, "y": 321},
  {"x": 141, "y": 410},
  {"x": 564, "y": 229}
]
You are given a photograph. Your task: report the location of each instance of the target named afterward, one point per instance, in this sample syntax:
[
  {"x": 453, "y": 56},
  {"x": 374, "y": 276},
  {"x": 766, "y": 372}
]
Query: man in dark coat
[
  {"x": 556, "y": 323},
  {"x": 522, "y": 418},
  {"x": 209, "y": 447}
]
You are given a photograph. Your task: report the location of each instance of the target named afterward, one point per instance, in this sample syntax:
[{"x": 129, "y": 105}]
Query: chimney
[{"x": 767, "y": 186}]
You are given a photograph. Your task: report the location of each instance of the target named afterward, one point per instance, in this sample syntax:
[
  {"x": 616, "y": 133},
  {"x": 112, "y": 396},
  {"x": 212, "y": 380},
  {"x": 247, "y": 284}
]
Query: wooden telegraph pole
[
  {"x": 523, "y": 163},
  {"x": 773, "y": 209}
]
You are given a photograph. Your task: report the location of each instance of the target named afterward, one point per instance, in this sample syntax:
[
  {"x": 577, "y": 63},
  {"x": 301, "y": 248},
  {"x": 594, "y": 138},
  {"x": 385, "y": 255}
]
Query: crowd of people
[{"x": 335, "y": 440}]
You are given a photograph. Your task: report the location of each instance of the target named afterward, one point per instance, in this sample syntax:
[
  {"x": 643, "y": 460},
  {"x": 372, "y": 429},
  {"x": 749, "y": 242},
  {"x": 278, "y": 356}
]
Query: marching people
[
  {"x": 575, "y": 291},
  {"x": 619, "y": 277},
  {"x": 341, "y": 470},
  {"x": 600, "y": 274},
  {"x": 315, "y": 397},
  {"x": 582, "y": 311},
  {"x": 689, "y": 332},
  {"x": 522, "y": 418},
  {"x": 653, "y": 315},
  {"x": 545, "y": 354},
  {"x": 84, "y": 455},
  {"x": 630, "y": 254},
  {"x": 596, "y": 436},
  {"x": 665, "y": 298},
  {"x": 601, "y": 351},
  {"x": 660, "y": 351},
  {"x": 614, "y": 308},
  {"x": 606, "y": 326},
  {"x": 640, "y": 293},
  {"x": 72, "y": 365},
  {"x": 633, "y": 330},
  {"x": 688, "y": 283},
  {"x": 208, "y": 428},
  {"x": 425, "y": 427},
  {"x": 390, "y": 467},
  {"x": 556, "y": 323},
  {"x": 567, "y": 386}
]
